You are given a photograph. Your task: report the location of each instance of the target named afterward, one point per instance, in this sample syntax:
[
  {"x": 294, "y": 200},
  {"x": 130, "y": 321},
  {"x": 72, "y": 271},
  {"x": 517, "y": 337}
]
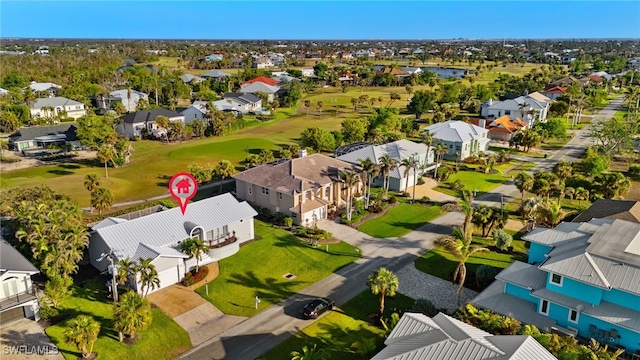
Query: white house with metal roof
[
  {"x": 460, "y": 138},
  {"x": 581, "y": 279},
  {"x": 57, "y": 106},
  {"x": 419, "y": 337},
  {"x": 17, "y": 296},
  {"x": 528, "y": 108},
  {"x": 398, "y": 151},
  {"x": 218, "y": 220},
  {"x": 51, "y": 88}
]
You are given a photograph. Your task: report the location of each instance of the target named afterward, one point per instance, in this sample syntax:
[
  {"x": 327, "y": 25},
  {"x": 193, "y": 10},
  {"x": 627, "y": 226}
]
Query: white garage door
[{"x": 168, "y": 277}]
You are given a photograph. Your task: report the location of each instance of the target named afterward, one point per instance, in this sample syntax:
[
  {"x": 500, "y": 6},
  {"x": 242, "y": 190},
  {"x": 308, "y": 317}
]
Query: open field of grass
[
  {"x": 337, "y": 331},
  {"x": 483, "y": 183},
  {"x": 164, "y": 339},
  {"x": 440, "y": 263},
  {"x": 400, "y": 220},
  {"x": 259, "y": 269}
]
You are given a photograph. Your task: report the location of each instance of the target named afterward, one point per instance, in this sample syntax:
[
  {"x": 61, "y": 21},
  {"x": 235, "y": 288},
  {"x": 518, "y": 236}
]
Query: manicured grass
[
  {"x": 338, "y": 330},
  {"x": 555, "y": 143},
  {"x": 258, "y": 270},
  {"x": 440, "y": 263},
  {"x": 164, "y": 339},
  {"x": 475, "y": 180},
  {"x": 400, "y": 220},
  {"x": 531, "y": 154}
]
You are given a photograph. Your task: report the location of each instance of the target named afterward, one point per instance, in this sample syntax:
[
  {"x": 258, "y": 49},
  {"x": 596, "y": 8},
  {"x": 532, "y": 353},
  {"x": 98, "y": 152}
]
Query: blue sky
[{"x": 320, "y": 19}]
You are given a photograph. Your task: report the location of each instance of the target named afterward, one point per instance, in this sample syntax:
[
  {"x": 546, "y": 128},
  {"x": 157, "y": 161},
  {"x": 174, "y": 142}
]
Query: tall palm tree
[
  {"x": 465, "y": 206},
  {"x": 409, "y": 164},
  {"x": 482, "y": 216},
  {"x": 149, "y": 279},
  {"x": 552, "y": 214},
  {"x": 101, "y": 199},
  {"x": 383, "y": 282},
  {"x": 105, "y": 154},
  {"x": 524, "y": 182},
  {"x": 163, "y": 123},
  {"x": 194, "y": 248},
  {"x": 529, "y": 210},
  {"x": 387, "y": 164},
  {"x": 581, "y": 194},
  {"x": 132, "y": 313},
  {"x": 82, "y": 331},
  {"x": 91, "y": 182},
  {"x": 367, "y": 166},
  {"x": 350, "y": 179},
  {"x": 126, "y": 269},
  {"x": 459, "y": 245},
  {"x": 563, "y": 169},
  {"x": 309, "y": 353},
  {"x": 223, "y": 170}
]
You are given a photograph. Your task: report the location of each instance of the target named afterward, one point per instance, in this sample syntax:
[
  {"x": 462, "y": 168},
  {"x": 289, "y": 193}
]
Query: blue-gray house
[{"x": 581, "y": 279}]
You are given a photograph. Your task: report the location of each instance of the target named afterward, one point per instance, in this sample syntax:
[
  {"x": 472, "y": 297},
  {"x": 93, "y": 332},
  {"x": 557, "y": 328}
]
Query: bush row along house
[{"x": 305, "y": 188}]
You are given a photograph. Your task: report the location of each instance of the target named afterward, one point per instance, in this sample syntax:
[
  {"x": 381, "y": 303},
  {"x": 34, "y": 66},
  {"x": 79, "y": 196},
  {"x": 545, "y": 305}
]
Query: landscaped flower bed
[
  {"x": 227, "y": 241},
  {"x": 193, "y": 277}
]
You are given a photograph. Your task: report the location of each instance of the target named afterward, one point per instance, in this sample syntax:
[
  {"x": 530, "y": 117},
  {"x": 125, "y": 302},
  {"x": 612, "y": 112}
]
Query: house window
[
  {"x": 249, "y": 190},
  {"x": 307, "y": 194},
  {"x": 280, "y": 196},
  {"x": 265, "y": 191},
  {"x": 573, "y": 316},
  {"x": 294, "y": 215},
  {"x": 326, "y": 192},
  {"x": 556, "y": 279},
  {"x": 544, "y": 307},
  {"x": 507, "y": 112}
]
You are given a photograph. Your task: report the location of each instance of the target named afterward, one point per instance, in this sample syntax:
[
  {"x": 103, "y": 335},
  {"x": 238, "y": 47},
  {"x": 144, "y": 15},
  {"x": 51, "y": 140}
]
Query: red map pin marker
[{"x": 183, "y": 186}]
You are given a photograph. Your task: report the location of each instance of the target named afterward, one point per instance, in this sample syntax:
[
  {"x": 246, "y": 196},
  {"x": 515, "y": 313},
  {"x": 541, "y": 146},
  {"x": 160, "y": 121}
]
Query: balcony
[{"x": 17, "y": 299}]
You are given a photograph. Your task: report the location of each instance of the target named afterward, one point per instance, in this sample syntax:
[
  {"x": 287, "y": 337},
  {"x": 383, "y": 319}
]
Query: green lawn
[
  {"x": 475, "y": 180},
  {"x": 338, "y": 330},
  {"x": 164, "y": 339},
  {"x": 259, "y": 269},
  {"x": 440, "y": 263},
  {"x": 535, "y": 155},
  {"x": 400, "y": 220}
]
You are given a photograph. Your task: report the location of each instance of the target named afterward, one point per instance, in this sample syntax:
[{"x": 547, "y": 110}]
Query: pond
[{"x": 447, "y": 72}]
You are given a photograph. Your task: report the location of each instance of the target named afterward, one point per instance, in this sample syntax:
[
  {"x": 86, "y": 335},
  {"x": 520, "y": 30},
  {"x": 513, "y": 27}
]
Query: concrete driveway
[
  {"x": 193, "y": 313},
  {"x": 25, "y": 339}
]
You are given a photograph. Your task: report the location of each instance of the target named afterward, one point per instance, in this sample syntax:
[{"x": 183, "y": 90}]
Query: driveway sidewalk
[{"x": 25, "y": 339}]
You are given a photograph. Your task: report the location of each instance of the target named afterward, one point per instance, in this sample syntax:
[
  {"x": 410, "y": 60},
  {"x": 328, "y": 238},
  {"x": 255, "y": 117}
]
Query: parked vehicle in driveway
[{"x": 317, "y": 307}]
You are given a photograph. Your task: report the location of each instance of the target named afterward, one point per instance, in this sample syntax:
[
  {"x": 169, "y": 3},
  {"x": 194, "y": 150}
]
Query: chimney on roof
[
  {"x": 482, "y": 123},
  {"x": 302, "y": 153},
  {"x": 490, "y": 102}
]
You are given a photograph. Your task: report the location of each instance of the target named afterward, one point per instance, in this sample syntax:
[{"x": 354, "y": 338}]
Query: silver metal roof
[
  {"x": 455, "y": 131},
  {"x": 418, "y": 337},
  {"x": 398, "y": 150},
  {"x": 168, "y": 227},
  {"x": 523, "y": 275}
]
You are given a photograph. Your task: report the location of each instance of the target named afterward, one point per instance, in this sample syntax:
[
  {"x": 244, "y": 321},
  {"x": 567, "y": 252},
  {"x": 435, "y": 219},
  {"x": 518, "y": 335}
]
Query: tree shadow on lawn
[
  {"x": 164, "y": 180},
  {"x": 269, "y": 288},
  {"x": 69, "y": 166},
  {"x": 290, "y": 240},
  {"x": 89, "y": 162},
  {"x": 339, "y": 338},
  {"x": 60, "y": 172}
]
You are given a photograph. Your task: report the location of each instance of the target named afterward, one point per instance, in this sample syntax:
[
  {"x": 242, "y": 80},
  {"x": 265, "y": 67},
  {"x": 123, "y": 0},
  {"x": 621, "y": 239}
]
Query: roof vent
[{"x": 302, "y": 153}]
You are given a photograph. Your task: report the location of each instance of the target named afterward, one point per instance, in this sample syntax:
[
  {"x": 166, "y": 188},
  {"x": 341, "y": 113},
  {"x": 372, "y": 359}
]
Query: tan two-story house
[{"x": 304, "y": 188}]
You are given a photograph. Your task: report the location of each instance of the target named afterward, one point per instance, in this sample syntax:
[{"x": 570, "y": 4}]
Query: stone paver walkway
[{"x": 442, "y": 294}]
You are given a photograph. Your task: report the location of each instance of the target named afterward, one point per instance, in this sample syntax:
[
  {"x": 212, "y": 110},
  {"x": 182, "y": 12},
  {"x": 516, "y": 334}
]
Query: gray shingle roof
[
  {"x": 54, "y": 102},
  {"x": 33, "y": 132},
  {"x": 611, "y": 209},
  {"x": 442, "y": 337},
  {"x": 216, "y": 74},
  {"x": 455, "y": 131},
  {"x": 12, "y": 260},
  {"x": 168, "y": 227},
  {"x": 247, "y": 98},
  {"x": 148, "y": 115}
]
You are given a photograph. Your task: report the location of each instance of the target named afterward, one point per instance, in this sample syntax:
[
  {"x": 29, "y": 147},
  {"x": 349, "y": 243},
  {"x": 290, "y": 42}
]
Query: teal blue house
[{"x": 581, "y": 279}]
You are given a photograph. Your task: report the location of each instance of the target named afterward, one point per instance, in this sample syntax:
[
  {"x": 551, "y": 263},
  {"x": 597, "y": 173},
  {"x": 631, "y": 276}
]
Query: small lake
[{"x": 447, "y": 72}]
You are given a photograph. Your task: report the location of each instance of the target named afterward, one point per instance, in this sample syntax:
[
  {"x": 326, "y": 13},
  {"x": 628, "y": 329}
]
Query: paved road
[{"x": 255, "y": 336}]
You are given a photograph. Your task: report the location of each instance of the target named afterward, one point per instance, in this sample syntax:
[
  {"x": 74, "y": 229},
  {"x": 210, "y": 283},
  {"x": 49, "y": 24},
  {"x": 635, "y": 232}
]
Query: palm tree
[
  {"x": 91, "y": 182},
  {"x": 524, "y": 182},
  {"x": 105, "y": 154},
  {"x": 441, "y": 150},
  {"x": 459, "y": 245},
  {"x": 387, "y": 164},
  {"x": 552, "y": 214},
  {"x": 409, "y": 164},
  {"x": 563, "y": 169},
  {"x": 149, "y": 279},
  {"x": 383, "y": 282},
  {"x": 309, "y": 353},
  {"x": 350, "y": 179},
  {"x": 132, "y": 313},
  {"x": 163, "y": 123},
  {"x": 523, "y": 109},
  {"x": 465, "y": 206},
  {"x": 223, "y": 170},
  {"x": 319, "y": 106},
  {"x": 482, "y": 216},
  {"x": 82, "y": 331},
  {"x": 194, "y": 248},
  {"x": 529, "y": 210},
  {"x": 101, "y": 199},
  {"x": 581, "y": 194},
  {"x": 126, "y": 269},
  {"x": 367, "y": 166}
]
